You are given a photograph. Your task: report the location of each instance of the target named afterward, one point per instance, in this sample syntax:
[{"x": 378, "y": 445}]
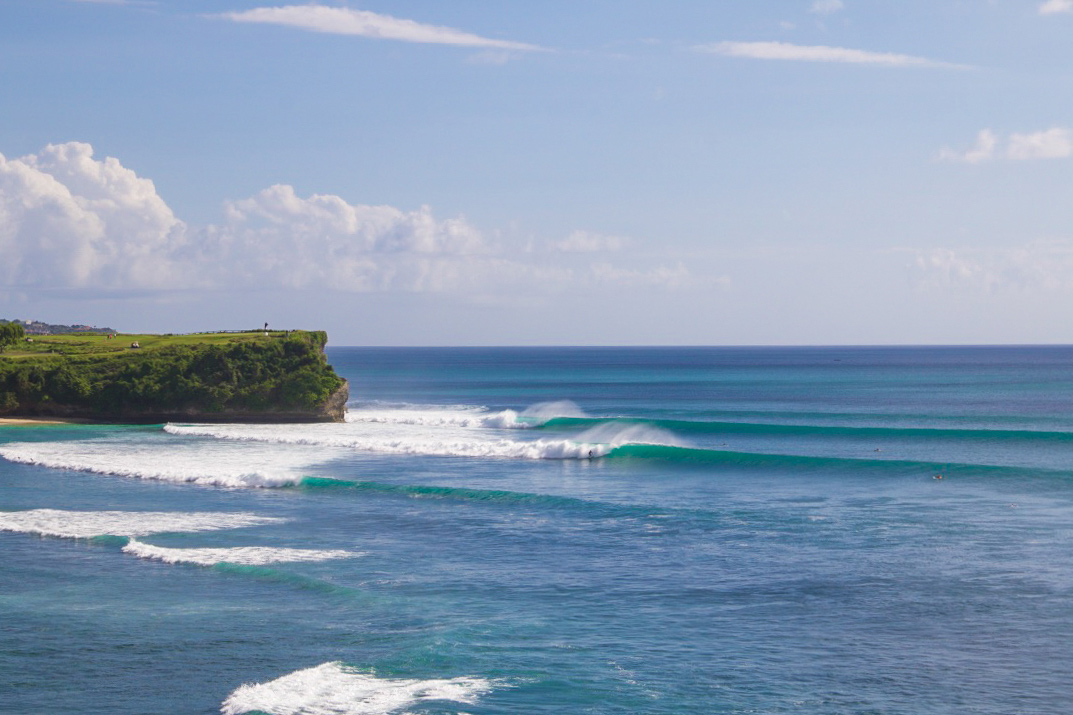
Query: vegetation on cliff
[
  {"x": 10, "y": 334},
  {"x": 213, "y": 376}
]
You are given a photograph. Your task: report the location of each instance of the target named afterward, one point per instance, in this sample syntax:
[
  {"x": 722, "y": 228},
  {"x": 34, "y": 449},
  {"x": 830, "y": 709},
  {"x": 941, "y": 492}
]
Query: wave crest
[
  {"x": 597, "y": 442},
  {"x": 190, "y": 466},
  {"x": 89, "y": 524},
  {"x": 241, "y": 555},
  {"x": 338, "y": 689}
]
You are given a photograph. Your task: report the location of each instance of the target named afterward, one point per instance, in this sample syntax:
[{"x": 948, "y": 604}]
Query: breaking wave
[
  {"x": 819, "y": 430},
  {"x": 465, "y": 415},
  {"x": 598, "y": 441},
  {"x": 162, "y": 462},
  {"x": 338, "y": 689},
  {"x": 90, "y": 524},
  {"x": 239, "y": 555}
]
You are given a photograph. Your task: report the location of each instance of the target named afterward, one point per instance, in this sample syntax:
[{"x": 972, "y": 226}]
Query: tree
[{"x": 10, "y": 334}]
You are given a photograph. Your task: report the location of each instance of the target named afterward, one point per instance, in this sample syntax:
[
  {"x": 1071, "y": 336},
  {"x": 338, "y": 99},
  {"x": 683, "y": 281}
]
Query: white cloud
[
  {"x": 826, "y": 7},
  {"x": 660, "y": 276},
  {"x": 361, "y": 23},
  {"x": 280, "y": 239},
  {"x": 1054, "y": 143},
  {"x": 69, "y": 220},
  {"x": 983, "y": 150},
  {"x": 818, "y": 53},
  {"x": 589, "y": 242},
  {"x": 1052, "y": 7},
  {"x": 1039, "y": 266}
]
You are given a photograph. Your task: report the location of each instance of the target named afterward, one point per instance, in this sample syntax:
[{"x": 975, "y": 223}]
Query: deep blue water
[{"x": 757, "y": 530}]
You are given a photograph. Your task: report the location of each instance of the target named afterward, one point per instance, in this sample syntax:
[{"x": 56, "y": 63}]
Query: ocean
[{"x": 563, "y": 530}]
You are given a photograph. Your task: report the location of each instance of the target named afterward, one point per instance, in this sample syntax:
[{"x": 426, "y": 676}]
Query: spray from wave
[
  {"x": 338, "y": 689},
  {"x": 466, "y": 416}
]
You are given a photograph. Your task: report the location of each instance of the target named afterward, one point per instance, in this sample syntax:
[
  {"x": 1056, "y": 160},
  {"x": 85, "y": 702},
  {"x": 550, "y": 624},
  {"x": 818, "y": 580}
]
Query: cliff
[{"x": 223, "y": 377}]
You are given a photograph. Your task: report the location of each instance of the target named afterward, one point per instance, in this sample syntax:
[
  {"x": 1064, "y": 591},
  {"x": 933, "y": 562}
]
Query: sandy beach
[{"x": 36, "y": 421}]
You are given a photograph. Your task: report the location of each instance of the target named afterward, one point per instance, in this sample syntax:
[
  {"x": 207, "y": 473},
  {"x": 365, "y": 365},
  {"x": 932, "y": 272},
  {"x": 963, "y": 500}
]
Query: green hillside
[{"x": 280, "y": 376}]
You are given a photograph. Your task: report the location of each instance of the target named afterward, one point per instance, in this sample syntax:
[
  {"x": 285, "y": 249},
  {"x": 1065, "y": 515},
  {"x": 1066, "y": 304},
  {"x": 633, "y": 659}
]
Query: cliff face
[{"x": 278, "y": 378}]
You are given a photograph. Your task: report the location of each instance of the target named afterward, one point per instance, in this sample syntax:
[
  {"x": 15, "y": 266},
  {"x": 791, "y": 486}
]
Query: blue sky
[{"x": 410, "y": 173}]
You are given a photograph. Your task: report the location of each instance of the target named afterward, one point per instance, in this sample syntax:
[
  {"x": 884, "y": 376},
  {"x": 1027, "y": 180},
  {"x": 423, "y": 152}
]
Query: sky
[{"x": 606, "y": 172}]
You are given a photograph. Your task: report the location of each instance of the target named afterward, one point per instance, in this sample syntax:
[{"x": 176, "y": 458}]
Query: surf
[
  {"x": 338, "y": 689},
  {"x": 92, "y": 524},
  {"x": 237, "y": 555},
  {"x": 702, "y": 427}
]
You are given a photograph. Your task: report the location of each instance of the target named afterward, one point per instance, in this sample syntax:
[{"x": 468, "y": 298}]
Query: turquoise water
[{"x": 755, "y": 531}]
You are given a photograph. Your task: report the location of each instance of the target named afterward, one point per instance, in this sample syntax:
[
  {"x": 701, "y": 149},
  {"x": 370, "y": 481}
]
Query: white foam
[
  {"x": 243, "y": 555},
  {"x": 337, "y": 689},
  {"x": 413, "y": 443},
  {"x": 87, "y": 524},
  {"x": 433, "y": 438},
  {"x": 164, "y": 460}
]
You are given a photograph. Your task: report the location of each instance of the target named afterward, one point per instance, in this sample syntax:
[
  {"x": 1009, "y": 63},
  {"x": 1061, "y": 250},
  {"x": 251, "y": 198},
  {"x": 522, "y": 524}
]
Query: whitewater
[{"x": 548, "y": 530}]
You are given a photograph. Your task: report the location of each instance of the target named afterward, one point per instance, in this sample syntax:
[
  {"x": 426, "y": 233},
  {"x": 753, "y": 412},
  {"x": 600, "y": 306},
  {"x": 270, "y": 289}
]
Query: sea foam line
[
  {"x": 338, "y": 689},
  {"x": 88, "y": 524},
  {"x": 241, "y": 555}
]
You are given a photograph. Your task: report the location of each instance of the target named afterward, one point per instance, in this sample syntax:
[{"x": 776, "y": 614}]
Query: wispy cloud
[
  {"x": 818, "y": 53},
  {"x": 1054, "y": 7},
  {"x": 361, "y": 23},
  {"x": 589, "y": 242},
  {"x": 1053, "y": 143},
  {"x": 1035, "y": 266},
  {"x": 826, "y": 7}
]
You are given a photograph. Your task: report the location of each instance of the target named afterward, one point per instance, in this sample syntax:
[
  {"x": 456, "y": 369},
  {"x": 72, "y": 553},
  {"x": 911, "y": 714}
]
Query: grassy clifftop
[{"x": 206, "y": 377}]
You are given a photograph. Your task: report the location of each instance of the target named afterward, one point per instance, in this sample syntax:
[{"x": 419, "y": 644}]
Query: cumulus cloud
[
  {"x": 818, "y": 53},
  {"x": 983, "y": 150},
  {"x": 589, "y": 242},
  {"x": 279, "y": 238},
  {"x": 826, "y": 7},
  {"x": 1054, "y": 143},
  {"x": 69, "y": 220},
  {"x": 1053, "y": 7},
  {"x": 362, "y": 23}
]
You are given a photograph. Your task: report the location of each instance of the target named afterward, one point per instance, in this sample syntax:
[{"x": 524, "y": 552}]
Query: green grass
[{"x": 92, "y": 344}]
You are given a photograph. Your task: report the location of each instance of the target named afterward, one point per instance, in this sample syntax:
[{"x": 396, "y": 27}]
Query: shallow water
[{"x": 756, "y": 530}]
